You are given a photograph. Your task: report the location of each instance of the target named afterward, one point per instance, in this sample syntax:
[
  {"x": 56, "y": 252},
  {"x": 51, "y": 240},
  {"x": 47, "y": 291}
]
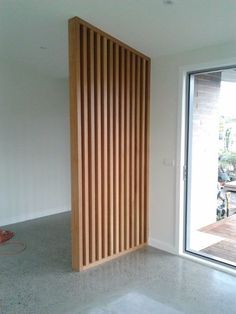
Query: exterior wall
[{"x": 204, "y": 165}]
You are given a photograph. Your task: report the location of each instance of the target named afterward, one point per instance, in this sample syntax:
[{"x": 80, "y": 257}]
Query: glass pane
[{"x": 211, "y": 182}]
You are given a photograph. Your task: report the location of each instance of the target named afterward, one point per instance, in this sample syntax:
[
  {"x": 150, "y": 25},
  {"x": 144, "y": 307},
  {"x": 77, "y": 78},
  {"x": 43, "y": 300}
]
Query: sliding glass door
[{"x": 211, "y": 165}]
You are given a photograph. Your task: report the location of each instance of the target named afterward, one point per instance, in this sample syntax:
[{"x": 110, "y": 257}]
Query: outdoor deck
[{"x": 226, "y": 248}]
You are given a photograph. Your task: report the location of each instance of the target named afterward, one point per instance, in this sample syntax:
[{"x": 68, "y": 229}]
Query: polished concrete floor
[{"x": 40, "y": 280}]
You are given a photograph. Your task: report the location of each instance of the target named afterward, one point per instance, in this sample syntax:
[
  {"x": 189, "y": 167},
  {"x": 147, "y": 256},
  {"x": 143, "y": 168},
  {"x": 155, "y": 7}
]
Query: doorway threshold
[{"x": 209, "y": 262}]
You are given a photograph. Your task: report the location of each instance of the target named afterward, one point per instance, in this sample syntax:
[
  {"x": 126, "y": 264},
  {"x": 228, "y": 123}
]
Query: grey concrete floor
[{"x": 40, "y": 279}]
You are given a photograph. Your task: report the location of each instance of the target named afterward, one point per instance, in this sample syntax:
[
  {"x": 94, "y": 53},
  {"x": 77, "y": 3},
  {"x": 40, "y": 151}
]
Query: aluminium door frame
[{"x": 189, "y": 92}]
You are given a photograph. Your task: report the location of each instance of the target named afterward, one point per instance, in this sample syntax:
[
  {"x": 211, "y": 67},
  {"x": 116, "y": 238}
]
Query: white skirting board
[
  {"x": 30, "y": 216},
  {"x": 162, "y": 245}
]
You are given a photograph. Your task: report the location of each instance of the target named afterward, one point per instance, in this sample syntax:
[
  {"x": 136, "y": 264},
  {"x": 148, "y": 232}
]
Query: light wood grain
[
  {"x": 127, "y": 152},
  {"x": 110, "y": 149},
  {"x": 147, "y": 149},
  {"x": 132, "y": 153},
  {"x": 142, "y": 150},
  {"x": 91, "y": 156},
  {"x": 85, "y": 150},
  {"x": 122, "y": 148},
  {"x": 75, "y": 143},
  {"x": 98, "y": 155},
  {"x": 104, "y": 150},
  {"x": 109, "y": 120},
  {"x": 116, "y": 149},
  {"x": 137, "y": 154},
  {"x": 80, "y": 21}
]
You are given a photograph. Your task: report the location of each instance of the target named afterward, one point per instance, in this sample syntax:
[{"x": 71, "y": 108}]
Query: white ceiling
[{"x": 148, "y": 25}]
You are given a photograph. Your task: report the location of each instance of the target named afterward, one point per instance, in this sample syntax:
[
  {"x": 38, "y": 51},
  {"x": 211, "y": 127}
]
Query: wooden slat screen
[{"x": 109, "y": 97}]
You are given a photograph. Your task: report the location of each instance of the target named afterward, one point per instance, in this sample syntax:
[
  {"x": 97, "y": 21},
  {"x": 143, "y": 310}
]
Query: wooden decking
[{"x": 225, "y": 249}]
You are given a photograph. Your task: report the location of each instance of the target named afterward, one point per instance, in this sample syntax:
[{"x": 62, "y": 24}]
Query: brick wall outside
[{"x": 205, "y": 126}]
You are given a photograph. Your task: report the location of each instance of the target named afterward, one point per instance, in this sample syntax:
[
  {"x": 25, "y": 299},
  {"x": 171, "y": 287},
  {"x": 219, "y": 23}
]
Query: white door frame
[{"x": 181, "y": 157}]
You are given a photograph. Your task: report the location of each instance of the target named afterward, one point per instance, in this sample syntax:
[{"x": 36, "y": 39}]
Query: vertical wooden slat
[
  {"x": 104, "y": 150},
  {"x": 116, "y": 148},
  {"x": 127, "y": 152},
  {"x": 92, "y": 148},
  {"x": 98, "y": 146},
  {"x": 76, "y": 140},
  {"x": 85, "y": 167},
  {"x": 109, "y": 97},
  {"x": 132, "y": 153},
  {"x": 137, "y": 154},
  {"x": 142, "y": 151},
  {"x": 122, "y": 152},
  {"x": 110, "y": 150},
  {"x": 147, "y": 137}
]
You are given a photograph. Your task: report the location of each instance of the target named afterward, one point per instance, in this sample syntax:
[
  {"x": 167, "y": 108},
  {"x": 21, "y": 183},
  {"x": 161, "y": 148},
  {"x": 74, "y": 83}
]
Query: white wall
[
  {"x": 34, "y": 144},
  {"x": 164, "y": 150}
]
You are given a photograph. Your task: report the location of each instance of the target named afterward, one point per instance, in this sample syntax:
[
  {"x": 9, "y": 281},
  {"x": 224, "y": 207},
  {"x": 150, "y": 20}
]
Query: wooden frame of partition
[{"x": 109, "y": 121}]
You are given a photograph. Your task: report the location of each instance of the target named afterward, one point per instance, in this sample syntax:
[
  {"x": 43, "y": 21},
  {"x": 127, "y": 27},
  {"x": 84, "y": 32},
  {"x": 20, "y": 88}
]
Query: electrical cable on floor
[
  {"x": 5, "y": 236},
  {"x": 11, "y": 253}
]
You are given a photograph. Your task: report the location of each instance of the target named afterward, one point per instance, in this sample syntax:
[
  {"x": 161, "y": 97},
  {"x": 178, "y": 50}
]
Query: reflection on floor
[
  {"x": 136, "y": 303},
  {"x": 225, "y": 248},
  {"x": 148, "y": 281}
]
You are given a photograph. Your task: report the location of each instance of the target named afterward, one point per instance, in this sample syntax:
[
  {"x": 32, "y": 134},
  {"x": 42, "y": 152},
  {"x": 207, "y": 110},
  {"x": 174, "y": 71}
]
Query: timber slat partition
[{"x": 109, "y": 101}]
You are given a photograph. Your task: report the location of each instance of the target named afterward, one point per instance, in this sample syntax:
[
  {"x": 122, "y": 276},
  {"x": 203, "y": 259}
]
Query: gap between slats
[
  {"x": 98, "y": 161},
  {"x": 110, "y": 88},
  {"x": 132, "y": 152},
  {"x": 116, "y": 147},
  {"x": 137, "y": 153},
  {"x": 104, "y": 148},
  {"x": 113, "y": 99}
]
